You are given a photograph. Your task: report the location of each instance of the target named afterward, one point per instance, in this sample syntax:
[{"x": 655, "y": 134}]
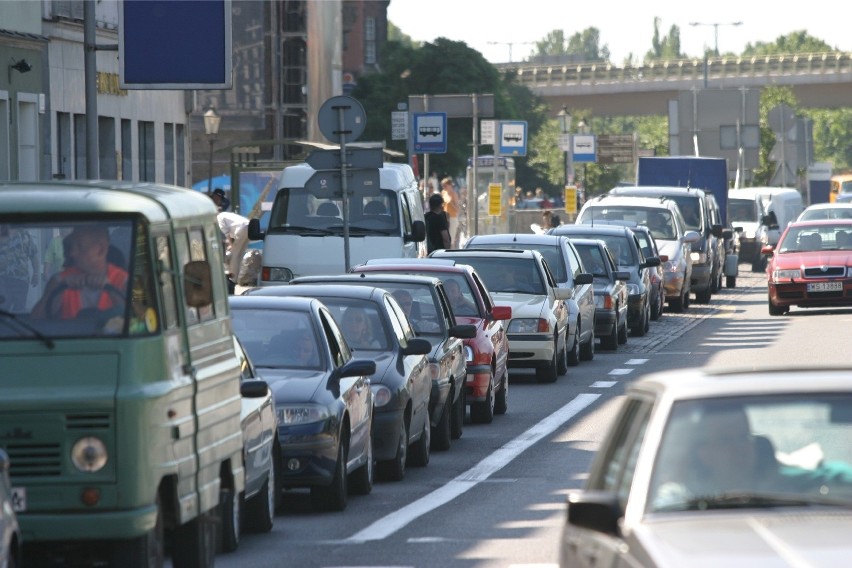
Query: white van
[
  {"x": 749, "y": 212},
  {"x": 305, "y": 235}
]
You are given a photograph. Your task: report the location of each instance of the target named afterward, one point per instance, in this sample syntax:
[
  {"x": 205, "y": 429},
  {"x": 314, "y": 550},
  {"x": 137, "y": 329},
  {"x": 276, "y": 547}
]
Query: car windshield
[
  {"x": 510, "y": 275},
  {"x": 754, "y": 452},
  {"x": 551, "y": 253},
  {"x": 816, "y": 238},
  {"x": 285, "y": 341},
  {"x": 658, "y": 220}
]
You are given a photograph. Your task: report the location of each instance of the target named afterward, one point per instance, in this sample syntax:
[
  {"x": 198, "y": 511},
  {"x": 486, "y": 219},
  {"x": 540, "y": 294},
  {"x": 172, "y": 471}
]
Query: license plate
[
  {"x": 825, "y": 286},
  {"x": 19, "y": 499}
]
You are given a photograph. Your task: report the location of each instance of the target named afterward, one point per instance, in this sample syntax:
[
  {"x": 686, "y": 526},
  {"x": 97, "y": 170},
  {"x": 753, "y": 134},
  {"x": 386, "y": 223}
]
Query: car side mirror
[
  {"x": 254, "y": 232},
  {"x": 584, "y": 278},
  {"x": 417, "y": 346},
  {"x": 463, "y": 331},
  {"x": 651, "y": 261},
  {"x": 728, "y": 233},
  {"x": 767, "y": 249},
  {"x": 563, "y": 293},
  {"x": 622, "y": 275},
  {"x": 254, "y": 388}
]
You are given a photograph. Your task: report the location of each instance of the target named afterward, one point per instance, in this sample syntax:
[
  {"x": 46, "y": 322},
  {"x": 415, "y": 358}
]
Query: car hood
[
  {"x": 384, "y": 361},
  {"x": 289, "y": 385},
  {"x": 669, "y": 248},
  {"x": 523, "y": 305},
  {"x": 781, "y": 537},
  {"x": 814, "y": 258}
]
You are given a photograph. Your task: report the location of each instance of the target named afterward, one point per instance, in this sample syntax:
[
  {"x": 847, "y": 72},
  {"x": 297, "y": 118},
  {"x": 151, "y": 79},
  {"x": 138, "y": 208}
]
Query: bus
[
  {"x": 120, "y": 392},
  {"x": 841, "y": 188},
  {"x": 491, "y": 171}
]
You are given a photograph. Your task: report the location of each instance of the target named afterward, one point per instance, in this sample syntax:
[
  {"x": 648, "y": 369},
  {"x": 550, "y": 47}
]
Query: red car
[
  {"x": 487, "y": 383},
  {"x": 811, "y": 266}
]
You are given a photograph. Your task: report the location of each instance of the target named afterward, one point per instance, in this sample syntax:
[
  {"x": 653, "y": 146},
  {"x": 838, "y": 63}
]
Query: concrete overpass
[{"x": 819, "y": 80}]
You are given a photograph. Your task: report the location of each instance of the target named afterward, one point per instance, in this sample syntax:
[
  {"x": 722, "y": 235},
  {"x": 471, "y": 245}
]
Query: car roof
[
  {"x": 320, "y": 290},
  {"x": 299, "y": 303},
  {"x": 820, "y": 222},
  {"x": 602, "y": 229},
  {"x": 655, "y": 190},
  {"x": 522, "y": 238},
  {"x": 448, "y": 265},
  {"x": 688, "y": 384},
  {"x": 504, "y": 253},
  {"x": 648, "y": 202},
  {"x": 841, "y": 205},
  {"x": 369, "y": 277}
]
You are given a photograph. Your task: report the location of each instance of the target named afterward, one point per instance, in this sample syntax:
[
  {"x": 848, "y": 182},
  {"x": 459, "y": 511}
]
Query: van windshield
[
  {"x": 298, "y": 211},
  {"x": 75, "y": 278},
  {"x": 742, "y": 210}
]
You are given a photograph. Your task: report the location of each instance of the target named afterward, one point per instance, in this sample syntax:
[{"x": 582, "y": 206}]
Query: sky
[{"x": 625, "y": 26}]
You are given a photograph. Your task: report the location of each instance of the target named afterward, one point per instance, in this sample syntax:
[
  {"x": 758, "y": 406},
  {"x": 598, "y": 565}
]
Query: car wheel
[
  {"x": 703, "y": 297},
  {"x": 731, "y": 282},
  {"x": 230, "y": 512},
  {"x": 441, "y": 436},
  {"x": 549, "y": 373},
  {"x": 647, "y": 321},
  {"x": 419, "y": 455},
  {"x": 642, "y": 325},
  {"x": 657, "y": 308},
  {"x": 394, "y": 469},
  {"x": 364, "y": 477},
  {"x": 501, "y": 399},
  {"x": 777, "y": 310},
  {"x": 587, "y": 350},
  {"x": 260, "y": 509},
  {"x": 483, "y": 412},
  {"x": 610, "y": 341},
  {"x": 687, "y": 299},
  {"x": 459, "y": 409},
  {"x": 679, "y": 303},
  {"x": 333, "y": 497},
  {"x": 573, "y": 356},
  {"x": 622, "y": 332}
]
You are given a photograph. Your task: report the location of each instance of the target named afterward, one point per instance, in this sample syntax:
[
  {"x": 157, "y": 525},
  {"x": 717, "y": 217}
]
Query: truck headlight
[
  {"x": 89, "y": 454},
  {"x": 302, "y": 414}
]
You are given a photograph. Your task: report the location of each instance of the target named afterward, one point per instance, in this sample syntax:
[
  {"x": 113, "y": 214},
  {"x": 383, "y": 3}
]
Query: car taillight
[
  {"x": 607, "y": 303},
  {"x": 543, "y": 326}
]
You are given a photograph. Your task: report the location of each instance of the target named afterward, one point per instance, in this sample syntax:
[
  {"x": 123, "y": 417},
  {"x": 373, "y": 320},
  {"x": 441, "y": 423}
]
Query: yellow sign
[
  {"x": 570, "y": 199},
  {"x": 495, "y": 199}
]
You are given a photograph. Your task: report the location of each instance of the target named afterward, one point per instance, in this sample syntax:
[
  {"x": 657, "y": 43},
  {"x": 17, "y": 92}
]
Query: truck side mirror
[
  {"x": 254, "y": 232},
  {"x": 418, "y": 232}
]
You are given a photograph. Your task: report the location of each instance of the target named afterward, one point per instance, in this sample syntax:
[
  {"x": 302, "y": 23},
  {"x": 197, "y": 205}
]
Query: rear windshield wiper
[{"x": 18, "y": 321}]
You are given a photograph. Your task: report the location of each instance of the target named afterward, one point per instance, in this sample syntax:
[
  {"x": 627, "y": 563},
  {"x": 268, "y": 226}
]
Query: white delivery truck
[
  {"x": 305, "y": 234},
  {"x": 762, "y": 214}
]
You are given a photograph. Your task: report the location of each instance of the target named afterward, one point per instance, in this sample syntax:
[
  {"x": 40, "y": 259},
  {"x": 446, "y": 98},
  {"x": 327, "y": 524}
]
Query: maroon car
[
  {"x": 811, "y": 266},
  {"x": 487, "y": 383}
]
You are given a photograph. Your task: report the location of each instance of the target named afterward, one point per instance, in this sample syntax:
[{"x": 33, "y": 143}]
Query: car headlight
[
  {"x": 786, "y": 274},
  {"x": 670, "y": 266},
  {"x": 89, "y": 454},
  {"x": 301, "y": 414},
  {"x": 529, "y": 325},
  {"x": 699, "y": 257},
  {"x": 434, "y": 371},
  {"x": 381, "y": 395},
  {"x": 603, "y": 301},
  {"x": 468, "y": 354},
  {"x": 277, "y": 274},
  {"x": 632, "y": 288}
]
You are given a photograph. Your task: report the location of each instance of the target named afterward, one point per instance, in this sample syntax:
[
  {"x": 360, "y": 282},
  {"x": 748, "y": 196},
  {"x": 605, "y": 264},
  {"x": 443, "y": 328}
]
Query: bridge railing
[{"x": 534, "y": 75}]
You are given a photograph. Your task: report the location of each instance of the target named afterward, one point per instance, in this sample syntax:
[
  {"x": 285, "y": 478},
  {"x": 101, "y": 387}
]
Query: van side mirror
[
  {"x": 254, "y": 232},
  {"x": 418, "y": 232},
  {"x": 197, "y": 283}
]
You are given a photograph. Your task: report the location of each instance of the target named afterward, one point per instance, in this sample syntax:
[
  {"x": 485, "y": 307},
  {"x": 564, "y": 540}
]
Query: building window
[
  {"x": 370, "y": 41},
  {"x": 147, "y": 171},
  {"x": 63, "y": 146},
  {"x": 80, "y": 147},
  {"x": 169, "y": 153},
  {"x": 180, "y": 156},
  {"x": 5, "y": 150},
  {"x": 126, "y": 149},
  {"x": 106, "y": 142}
]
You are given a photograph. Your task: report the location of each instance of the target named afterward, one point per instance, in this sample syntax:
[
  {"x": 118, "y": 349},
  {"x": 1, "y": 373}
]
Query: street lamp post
[
  {"x": 715, "y": 31},
  {"x": 211, "y": 128},
  {"x": 565, "y": 126},
  {"x": 583, "y": 128}
]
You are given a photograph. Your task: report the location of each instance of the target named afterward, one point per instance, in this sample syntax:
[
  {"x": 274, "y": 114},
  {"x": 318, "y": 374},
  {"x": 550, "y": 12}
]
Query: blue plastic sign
[
  {"x": 513, "y": 138},
  {"x": 429, "y": 132},
  {"x": 584, "y": 148}
]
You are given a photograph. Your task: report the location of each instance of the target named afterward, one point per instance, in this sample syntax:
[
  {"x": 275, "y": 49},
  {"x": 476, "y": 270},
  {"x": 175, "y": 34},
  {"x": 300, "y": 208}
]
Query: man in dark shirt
[{"x": 437, "y": 224}]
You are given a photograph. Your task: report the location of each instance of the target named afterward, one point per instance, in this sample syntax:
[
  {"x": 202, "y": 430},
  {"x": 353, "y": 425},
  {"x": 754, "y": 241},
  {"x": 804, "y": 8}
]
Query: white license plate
[
  {"x": 19, "y": 499},
  {"x": 825, "y": 286}
]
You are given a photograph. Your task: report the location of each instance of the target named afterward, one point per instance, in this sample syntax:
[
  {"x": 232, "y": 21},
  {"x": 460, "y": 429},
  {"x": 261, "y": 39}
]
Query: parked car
[
  {"x": 734, "y": 469},
  {"x": 540, "y": 334},
  {"x": 261, "y": 461},
  {"x": 650, "y": 249},
  {"x": 568, "y": 271},
  {"x": 375, "y": 327},
  {"x": 486, "y": 354},
  {"x": 610, "y": 286},
  {"x": 424, "y": 302},
  {"x": 625, "y": 249},
  {"x": 701, "y": 214},
  {"x": 10, "y": 532},
  {"x": 324, "y": 408},
  {"x": 661, "y": 217},
  {"x": 809, "y": 267}
]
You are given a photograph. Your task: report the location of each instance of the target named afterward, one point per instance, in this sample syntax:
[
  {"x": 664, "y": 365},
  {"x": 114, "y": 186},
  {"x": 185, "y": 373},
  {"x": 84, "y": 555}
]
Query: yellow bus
[{"x": 841, "y": 188}]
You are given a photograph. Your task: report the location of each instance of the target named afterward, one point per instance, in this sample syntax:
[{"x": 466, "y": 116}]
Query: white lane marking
[
  {"x": 493, "y": 463},
  {"x": 603, "y": 384},
  {"x": 636, "y": 361},
  {"x": 621, "y": 371}
]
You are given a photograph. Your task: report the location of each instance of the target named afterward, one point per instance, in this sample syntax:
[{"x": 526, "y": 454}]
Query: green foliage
[
  {"x": 795, "y": 42},
  {"x": 583, "y": 46},
  {"x": 664, "y": 48}
]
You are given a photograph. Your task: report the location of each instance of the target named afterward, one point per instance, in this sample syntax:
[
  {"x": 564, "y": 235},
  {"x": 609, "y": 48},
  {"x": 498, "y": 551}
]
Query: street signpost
[
  {"x": 399, "y": 125},
  {"x": 495, "y": 199},
  {"x": 513, "y": 138},
  {"x": 430, "y": 132},
  {"x": 583, "y": 148},
  {"x": 616, "y": 149}
]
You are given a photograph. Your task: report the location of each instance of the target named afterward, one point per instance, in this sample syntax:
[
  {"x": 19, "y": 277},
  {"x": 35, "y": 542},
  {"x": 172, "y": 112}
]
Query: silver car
[{"x": 734, "y": 469}]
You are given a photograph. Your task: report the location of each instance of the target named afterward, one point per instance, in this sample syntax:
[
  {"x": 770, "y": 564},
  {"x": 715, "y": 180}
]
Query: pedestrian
[
  {"x": 451, "y": 207},
  {"x": 234, "y": 229},
  {"x": 219, "y": 198},
  {"x": 18, "y": 254},
  {"x": 437, "y": 224}
]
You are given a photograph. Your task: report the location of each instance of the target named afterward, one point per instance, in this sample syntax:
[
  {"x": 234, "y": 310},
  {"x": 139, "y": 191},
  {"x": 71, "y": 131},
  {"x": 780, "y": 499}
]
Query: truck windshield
[
  {"x": 75, "y": 278},
  {"x": 298, "y": 211}
]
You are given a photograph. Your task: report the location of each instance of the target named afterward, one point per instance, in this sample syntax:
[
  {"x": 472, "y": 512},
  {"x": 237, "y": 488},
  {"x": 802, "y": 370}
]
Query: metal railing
[{"x": 533, "y": 75}]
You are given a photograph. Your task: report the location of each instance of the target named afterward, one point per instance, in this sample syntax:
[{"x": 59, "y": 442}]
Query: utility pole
[
  {"x": 510, "y": 44},
  {"x": 715, "y": 31}
]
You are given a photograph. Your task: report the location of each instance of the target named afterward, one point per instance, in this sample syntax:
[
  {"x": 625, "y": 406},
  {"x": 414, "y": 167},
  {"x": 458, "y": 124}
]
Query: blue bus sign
[
  {"x": 429, "y": 132},
  {"x": 513, "y": 138}
]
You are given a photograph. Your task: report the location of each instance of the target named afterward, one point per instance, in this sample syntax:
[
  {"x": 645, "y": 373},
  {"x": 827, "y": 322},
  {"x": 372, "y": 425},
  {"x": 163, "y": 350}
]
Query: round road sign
[{"x": 350, "y": 123}]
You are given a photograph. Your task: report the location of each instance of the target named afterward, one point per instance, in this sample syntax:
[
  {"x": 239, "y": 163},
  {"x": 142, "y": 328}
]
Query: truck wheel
[
  {"x": 144, "y": 551},
  {"x": 195, "y": 543}
]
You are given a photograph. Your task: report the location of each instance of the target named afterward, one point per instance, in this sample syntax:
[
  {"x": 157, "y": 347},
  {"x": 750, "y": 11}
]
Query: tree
[
  {"x": 795, "y": 42},
  {"x": 667, "y": 47},
  {"x": 582, "y": 46}
]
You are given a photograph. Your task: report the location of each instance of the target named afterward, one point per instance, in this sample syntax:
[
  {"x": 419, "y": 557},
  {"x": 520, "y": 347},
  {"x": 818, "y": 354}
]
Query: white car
[
  {"x": 826, "y": 211},
  {"x": 539, "y": 334},
  {"x": 734, "y": 469}
]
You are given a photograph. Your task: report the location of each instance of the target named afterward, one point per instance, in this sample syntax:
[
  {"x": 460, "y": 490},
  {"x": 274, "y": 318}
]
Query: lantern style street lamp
[
  {"x": 211, "y": 128},
  {"x": 565, "y": 126}
]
